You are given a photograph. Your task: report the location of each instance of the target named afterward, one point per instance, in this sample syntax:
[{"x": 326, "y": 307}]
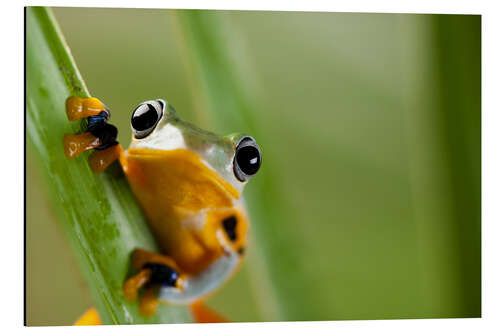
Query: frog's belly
[
  {"x": 189, "y": 252},
  {"x": 175, "y": 238},
  {"x": 172, "y": 187}
]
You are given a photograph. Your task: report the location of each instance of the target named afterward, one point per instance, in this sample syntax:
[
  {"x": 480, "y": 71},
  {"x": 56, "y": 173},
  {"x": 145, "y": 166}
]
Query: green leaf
[
  {"x": 98, "y": 212},
  {"x": 209, "y": 45},
  {"x": 375, "y": 212}
]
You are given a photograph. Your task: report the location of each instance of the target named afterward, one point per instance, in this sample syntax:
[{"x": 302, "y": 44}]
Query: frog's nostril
[{"x": 229, "y": 225}]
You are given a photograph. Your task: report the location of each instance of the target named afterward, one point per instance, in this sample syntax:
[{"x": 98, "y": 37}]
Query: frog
[{"x": 188, "y": 183}]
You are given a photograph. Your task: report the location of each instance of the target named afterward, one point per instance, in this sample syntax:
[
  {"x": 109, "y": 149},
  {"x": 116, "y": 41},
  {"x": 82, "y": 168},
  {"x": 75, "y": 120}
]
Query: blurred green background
[{"x": 371, "y": 124}]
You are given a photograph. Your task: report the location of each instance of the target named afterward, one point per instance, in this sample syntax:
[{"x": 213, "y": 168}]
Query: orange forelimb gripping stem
[
  {"x": 99, "y": 160},
  {"x": 75, "y": 144},
  {"x": 131, "y": 286},
  {"x": 149, "y": 301},
  {"x": 78, "y": 108}
]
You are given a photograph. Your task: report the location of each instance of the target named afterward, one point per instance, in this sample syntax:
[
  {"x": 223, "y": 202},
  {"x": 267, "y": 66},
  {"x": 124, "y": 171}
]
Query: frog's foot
[
  {"x": 204, "y": 314},
  {"x": 91, "y": 317},
  {"x": 100, "y": 135},
  {"x": 155, "y": 271}
]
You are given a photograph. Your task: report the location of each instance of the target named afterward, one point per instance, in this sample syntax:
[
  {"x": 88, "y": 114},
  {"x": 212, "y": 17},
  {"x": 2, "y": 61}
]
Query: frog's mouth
[{"x": 179, "y": 168}]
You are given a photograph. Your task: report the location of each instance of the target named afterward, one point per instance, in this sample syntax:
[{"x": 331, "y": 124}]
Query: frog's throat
[{"x": 177, "y": 157}]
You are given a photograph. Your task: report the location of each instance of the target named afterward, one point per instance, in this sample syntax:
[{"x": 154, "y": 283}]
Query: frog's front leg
[{"x": 100, "y": 135}]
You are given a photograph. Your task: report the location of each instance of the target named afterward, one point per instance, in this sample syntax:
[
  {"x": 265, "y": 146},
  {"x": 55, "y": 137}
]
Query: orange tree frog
[{"x": 188, "y": 183}]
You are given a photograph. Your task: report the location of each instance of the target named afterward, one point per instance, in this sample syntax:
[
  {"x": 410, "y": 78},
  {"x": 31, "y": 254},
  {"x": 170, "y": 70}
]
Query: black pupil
[
  {"x": 144, "y": 117},
  {"x": 230, "y": 227},
  {"x": 248, "y": 159}
]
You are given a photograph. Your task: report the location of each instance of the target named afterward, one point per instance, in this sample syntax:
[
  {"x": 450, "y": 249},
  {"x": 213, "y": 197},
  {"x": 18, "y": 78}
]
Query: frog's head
[
  {"x": 207, "y": 172},
  {"x": 156, "y": 125}
]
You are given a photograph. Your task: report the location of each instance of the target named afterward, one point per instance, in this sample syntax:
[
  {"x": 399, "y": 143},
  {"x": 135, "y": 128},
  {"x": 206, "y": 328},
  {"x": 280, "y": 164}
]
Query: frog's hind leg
[
  {"x": 91, "y": 317},
  {"x": 100, "y": 135},
  {"x": 154, "y": 270},
  {"x": 203, "y": 314}
]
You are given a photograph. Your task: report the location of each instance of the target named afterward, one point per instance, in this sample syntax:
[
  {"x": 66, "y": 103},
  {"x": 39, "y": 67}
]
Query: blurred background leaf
[{"x": 368, "y": 202}]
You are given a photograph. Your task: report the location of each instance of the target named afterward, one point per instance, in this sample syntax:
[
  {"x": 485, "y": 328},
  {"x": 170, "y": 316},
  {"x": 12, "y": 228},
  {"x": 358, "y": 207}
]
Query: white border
[{"x": 12, "y": 166}]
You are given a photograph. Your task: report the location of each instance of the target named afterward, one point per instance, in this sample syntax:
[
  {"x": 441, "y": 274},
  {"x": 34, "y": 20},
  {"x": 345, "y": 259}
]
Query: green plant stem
[{"x": 98, "y": 212}]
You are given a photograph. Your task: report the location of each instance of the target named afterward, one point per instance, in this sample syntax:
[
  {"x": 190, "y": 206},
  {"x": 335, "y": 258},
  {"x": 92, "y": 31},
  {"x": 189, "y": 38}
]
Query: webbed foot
[
  {"x": 155, "y": 271},
  {"x": 100, "y": 135}
]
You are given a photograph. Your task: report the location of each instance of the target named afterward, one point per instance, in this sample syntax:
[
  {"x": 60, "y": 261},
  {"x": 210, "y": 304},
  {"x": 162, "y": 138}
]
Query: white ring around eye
[
  {"x": 141, "y": 128},
  {"x": 239, "y": 170}
]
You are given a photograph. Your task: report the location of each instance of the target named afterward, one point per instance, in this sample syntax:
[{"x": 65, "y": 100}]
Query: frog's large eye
[
  {"x": 247, "y": 159},
  {"x": 145, "y": 118}
]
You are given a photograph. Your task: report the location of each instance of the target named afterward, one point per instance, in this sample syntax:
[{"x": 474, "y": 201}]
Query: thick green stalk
[{"x": 98, "y": 212}]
